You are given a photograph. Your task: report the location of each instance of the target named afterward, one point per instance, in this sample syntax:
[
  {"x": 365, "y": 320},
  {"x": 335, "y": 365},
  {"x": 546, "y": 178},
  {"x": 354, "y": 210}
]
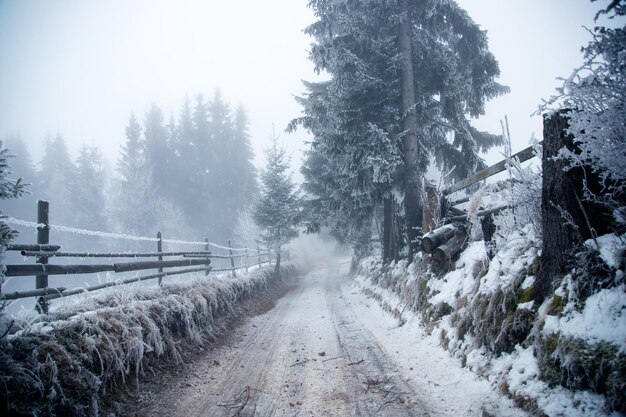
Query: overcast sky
[{"x": 79, "y": 67}]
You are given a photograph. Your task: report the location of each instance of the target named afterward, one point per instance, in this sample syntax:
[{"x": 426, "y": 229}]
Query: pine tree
[
  {"x": 57, "y": 180},
  {"x": 184, "y": 163},
  {"x": 89, "y": 194},
  {"x": 277, "y": 212},
  {"x": 133, "y": 208},
  {"x": 156, "y": 152},
  {"x": 376, "y": 53},
  {"x": 203, "y": 203},
  {"x": 22, "y": 167},
  {"x": 223, "y": 182},
  {"x": 595, "y": 98},
  {"x": 9, "y": 188},
  {"x": 242, "y": 160},
  {"x": 131, "y": 156}
]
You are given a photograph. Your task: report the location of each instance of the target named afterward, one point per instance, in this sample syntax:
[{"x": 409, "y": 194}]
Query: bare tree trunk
[
  {"x": 413, "y": 212},
  {"x": 567, "y": 219},
  {"x": 387, "y": 226},
  {"x": 277, "y": 267}
]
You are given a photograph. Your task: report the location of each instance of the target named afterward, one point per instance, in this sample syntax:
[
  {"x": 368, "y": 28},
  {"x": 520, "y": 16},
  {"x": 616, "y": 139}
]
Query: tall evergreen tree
[
  {"x": 131, "y": 156},
  {"x": 133, "y": 210},
  {"x": 242, "y": 160},
  {"x": 364, "y": 117},
  {"x": 156, "y": 150},
  {"x": 184, "y": 162},
  {"x": 89, "y": 194},
  {"x": 277, "y": 211},
  {"x": 222, "y": 175},
  {"x": 22, "y": 167},
  {"x": 9, "y": 188},
  {"x": 57, "y": 180}
]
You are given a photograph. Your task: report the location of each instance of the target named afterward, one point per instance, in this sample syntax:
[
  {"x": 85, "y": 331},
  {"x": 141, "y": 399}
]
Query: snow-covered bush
[
  {"x": 62, "y": 363},
  {"x": 247, "y": 232},
  {"x": 9, "y": 188},
  {"x": 595, "y": 93},
  {"x": 520, "y": 194},
  {"x": 581, "y": 344}
]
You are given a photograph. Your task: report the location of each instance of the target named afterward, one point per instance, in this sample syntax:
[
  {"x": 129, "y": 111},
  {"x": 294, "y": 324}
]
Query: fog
[
  {"x": 79, "y": 67},
  {"x": 73, "y": 72}
]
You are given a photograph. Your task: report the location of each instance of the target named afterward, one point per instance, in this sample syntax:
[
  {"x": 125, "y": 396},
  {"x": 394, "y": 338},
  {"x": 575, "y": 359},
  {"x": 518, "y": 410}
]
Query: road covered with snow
[{"x": 326, "y": 350}]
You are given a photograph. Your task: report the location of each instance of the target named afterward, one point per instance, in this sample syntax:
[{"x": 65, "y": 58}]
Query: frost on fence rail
[{"x": 74, "y": 230}]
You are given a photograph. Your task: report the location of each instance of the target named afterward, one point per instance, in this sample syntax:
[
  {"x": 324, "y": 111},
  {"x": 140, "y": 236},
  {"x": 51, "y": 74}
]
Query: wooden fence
[
  {"x": 184, "y": 261},
  {"x": 445, "y": 239}
]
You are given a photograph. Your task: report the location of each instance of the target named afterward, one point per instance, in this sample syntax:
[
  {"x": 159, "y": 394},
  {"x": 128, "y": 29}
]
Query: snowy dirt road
[
  {"x": 307, "y": 356},
  {"x": 313, "y": 354}
]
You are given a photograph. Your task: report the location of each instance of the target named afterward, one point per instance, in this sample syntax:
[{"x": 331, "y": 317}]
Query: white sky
[{"x": 79, "y": 67}]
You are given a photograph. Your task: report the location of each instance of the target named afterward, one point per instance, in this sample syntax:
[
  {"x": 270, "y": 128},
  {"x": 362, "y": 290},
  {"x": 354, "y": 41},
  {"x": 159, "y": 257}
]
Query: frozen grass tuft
[{"x": 62, "y": 364}]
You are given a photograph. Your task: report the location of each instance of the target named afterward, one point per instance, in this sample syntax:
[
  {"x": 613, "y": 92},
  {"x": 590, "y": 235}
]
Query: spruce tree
[
  {"x": 242, "y": 160},
  {"x": 131, "y": 156},
  {"x": 376, "y": 142},
  {"x": 89, "y": 199},
  {"x": 155, "y": 144},
  {"x": 184, "y": 162},
  {"x": 22, "y": 167},
  {"x": 9, "y": 188},
  {"x": 277, "y": 212},
  {"x": 133, "y": 208},
  {"x": 57, "y": 181}
]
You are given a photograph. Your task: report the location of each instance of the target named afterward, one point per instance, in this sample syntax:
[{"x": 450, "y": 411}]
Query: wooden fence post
[
  {"x": 160, "y": 249},
  {"x": 232, "y": 260},
  {"x": 43, "y": 238},
  {"x": 206, "y": 249},
  {"x": 247, "y": 260}
]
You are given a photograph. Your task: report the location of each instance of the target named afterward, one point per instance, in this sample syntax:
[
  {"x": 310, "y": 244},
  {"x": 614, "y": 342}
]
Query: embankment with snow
[
  {"x": 65, "y": 362},
  {"x": 563, "y": 357}
]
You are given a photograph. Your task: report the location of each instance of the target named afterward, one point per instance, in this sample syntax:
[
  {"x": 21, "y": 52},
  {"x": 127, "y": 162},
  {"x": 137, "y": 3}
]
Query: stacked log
[{"x": 443, "y": 243}]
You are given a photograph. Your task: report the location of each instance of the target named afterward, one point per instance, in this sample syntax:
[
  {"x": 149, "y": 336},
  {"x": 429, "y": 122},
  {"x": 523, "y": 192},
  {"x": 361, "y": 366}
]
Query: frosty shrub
[
  {"x": 596, "y": 95},
  {"x": 64, "y": 362},
  {"x": 522, "y": 195},
  {"x": 247, "y": 232},
  {"x": 8, "y": 189}
]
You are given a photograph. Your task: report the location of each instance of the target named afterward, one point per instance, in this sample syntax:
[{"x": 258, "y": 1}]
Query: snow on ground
[
  {"x": 460, "y": 281},
  {"x": 521, "y": 373},
  {"x": 418, "y": 351},
  {"x": 427, "y": 367},
  {"x": 603, "y": 318}
]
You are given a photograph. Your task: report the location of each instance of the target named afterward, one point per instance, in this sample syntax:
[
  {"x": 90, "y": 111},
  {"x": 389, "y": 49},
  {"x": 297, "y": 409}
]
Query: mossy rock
[
  {"x": 525, "y": 295},
  {"x": 557, "y": 305},
  {"x": 576, "y": 364}
]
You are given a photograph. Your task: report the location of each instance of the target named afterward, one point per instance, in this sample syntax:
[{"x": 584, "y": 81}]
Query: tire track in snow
[{"x": 308, "y": 356}]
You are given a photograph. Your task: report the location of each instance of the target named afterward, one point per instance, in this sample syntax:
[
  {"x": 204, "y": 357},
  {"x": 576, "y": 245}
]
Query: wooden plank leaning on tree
[{"x": 523, "y": 155}]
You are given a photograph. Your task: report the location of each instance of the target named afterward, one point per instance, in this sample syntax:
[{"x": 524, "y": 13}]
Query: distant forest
[{"x": 189, "y": 177}]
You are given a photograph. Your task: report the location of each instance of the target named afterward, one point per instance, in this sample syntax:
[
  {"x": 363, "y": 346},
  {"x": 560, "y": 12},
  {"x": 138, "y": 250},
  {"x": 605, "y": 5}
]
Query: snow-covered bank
[
  {"x": 415, "y": 349},
  {"x": 62, "y": 363},
  {"x": 564, "y": 357}
]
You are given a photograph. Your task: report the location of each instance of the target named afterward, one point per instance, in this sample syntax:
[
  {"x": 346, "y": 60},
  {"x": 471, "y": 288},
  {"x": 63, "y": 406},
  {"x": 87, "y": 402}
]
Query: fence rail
[
  {"x": 187, "y": 262},
  {"x": 522, "y": 156},
  {"x": 443, "y": 238}
]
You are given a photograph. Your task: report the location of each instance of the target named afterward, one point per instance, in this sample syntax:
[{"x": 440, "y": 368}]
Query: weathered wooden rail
[
  {"x": 522, "y": 156},
  {"x": 186, "y": 262},
  {"x": 444, "y": 242}
]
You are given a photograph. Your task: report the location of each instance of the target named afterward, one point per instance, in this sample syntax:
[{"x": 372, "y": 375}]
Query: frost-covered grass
[
  {"x": 63, "y": 363},
  {"x": 565, "y": 357}
]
